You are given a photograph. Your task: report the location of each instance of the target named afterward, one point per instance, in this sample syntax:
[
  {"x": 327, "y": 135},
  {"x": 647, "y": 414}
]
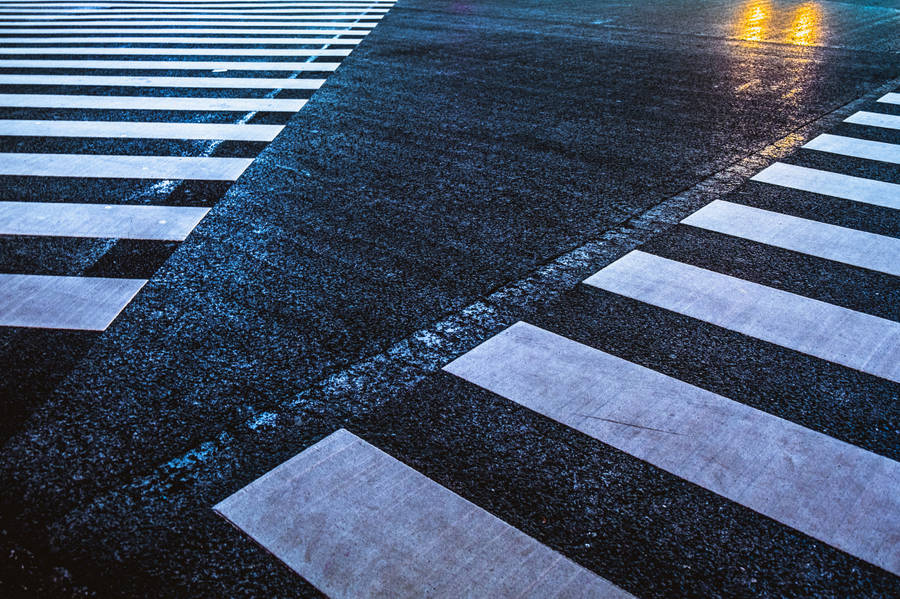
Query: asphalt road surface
[{"x": 230, "y": 229}]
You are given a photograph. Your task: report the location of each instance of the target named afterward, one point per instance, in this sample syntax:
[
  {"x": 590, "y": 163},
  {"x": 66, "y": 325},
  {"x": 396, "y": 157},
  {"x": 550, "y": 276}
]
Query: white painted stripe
[
  {"x": 166, "y": 223},
  {"x": 191, "y": 31},
  {"x": 138, "y": 130},
  {"x": 891, "y": 98},
  {"x": 356, "y": 522},
  {"x": 227, "y": 5},
  {"x": 170, "y": 65},
  {"x": 874, "y": 119},
  {"x": 150, "y": 103},
  {"x": 269, "y": 52},
  {"x": 828, "y": 489},
  {"x": 859, "y": 248},
  {"x": 857, "y": 148},
  {"x": 861, "y": 341},
  {"x": 858, "y": 189},
  {"x": 224, "y": 41},
  {"x": 107, "y": 10},
  {"x": 198, "y": 82},
  {"x": 295, "y": 26},
  {"x": 123, "y": 167},
  {"x": 76, "y": 303},
  {"x": 281, "y": 19}
]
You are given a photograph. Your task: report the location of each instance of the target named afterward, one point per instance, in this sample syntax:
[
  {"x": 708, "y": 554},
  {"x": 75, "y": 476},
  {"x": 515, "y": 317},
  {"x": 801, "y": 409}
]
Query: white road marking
[
  {"x": 857, "y": 148},
  {"x": 188, "y": 31},
  {"x": 76, "y": 303},
  {"x": 138, "y": 130},
  {"x": 123, "y": 167},
  {"x": 108, "y": 10},
  {"x": 150, "y": 103},
  {"x": 195, "y": 82},
  {"x": 294, "y": 26},
  {"x": 281, "y": 19},
  {"x": 170, "y": 65},
  {"x": 69, "y": 51},
  {"x": 168, "y": 223},
  {"x": 874, "y": 119},
  {"x": 891, "y": 98},
  {"x": 828, "y": 489},
  {"x": 284, "y": 41},
  {"x": 854, "y": 339},
  {"x": 859, "y": 248},
  {"x": 858, "y": 189},
  {"x": 356, "y": 522}
]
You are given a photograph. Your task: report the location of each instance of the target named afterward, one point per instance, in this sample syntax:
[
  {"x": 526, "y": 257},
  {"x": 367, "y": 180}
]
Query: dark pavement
[{"x": 464, "y": 168}]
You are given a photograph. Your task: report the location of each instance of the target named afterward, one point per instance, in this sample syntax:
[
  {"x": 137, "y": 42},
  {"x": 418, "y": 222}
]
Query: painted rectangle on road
[
  {"x": 848, "y": 187},
  {"x": 856, "y": 148},
  {"x": 150, "y": 103},
  {"x": 123, "y": 167}
]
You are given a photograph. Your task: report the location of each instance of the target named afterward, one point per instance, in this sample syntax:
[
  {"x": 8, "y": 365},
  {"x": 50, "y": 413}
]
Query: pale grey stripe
[
  {"x": 891, "y": 98},
  {"x": 167, "y": 223},
  {"x": 284, "y": 41},
  {"x": 139, "y": 130},
  {"x": 123, "y": 167},
  {"x": 862, "y": 341},
  {"x": 76, "y": 303},
  {"x": 294, "y": 26},
  {"x": 189, "y": 31},
  {"x": 170, "y": 65},
  {"x": 857, "y": 148},
  {"x": 150, "y": 103},
  {"x": 828, "y": 489},
  {"x": 282, "y": 19},
  {"x": 874, "y": 119},
  {"x": 356, "y": 522},
  {"x": 859, "y": 248},
  {"x": 123, "y": 81},
  {"x": 867, "y": 191},
  {"x": 268, "y": 52},
  {"x": 253, "y": 5},
  {"x": 109, "y": 10}
]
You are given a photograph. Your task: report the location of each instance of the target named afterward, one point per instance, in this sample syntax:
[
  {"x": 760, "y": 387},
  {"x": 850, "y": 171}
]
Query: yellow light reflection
[
  {"x": 753, "y": 20},
  {"x": 806, "y": 25}
]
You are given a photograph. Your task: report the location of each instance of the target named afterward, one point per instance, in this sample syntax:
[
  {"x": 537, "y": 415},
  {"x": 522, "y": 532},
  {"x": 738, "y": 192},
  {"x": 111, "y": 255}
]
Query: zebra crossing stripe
[
  {"x": 123, "y": 167},
  {"x": 874, "y": 119},
  {"x": 171, "y": 65},
  {"x": 189, "y": 82},
  {"x": 284, "y": 41},
  {"x": 139, "y": 130},
  {"x": 282, "y": 19},
  {"x": 188, "y": 31},
  {"x": 150, "y": 103},
  {"x": 838, "y": 185},
  {"x": 891, "y": 98},
  {"x": 108, "y": 10},
  {"x": 858, "y": 248},
  {"x": 825, "y": 488},
  {"x": 856, "y": 148},
  {"x": 74, "y": 303},
  {"x": 166, "y": 223},
  {"x": 294, "y": 26},
  {"x": 356, "y": 522},
  {"x": 853, "y": 339},
  {"x": 69, "y": 51}
]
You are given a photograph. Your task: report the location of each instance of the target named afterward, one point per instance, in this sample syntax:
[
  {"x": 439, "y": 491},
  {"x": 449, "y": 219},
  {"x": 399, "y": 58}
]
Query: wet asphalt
[{"x": 465, "y": 167}]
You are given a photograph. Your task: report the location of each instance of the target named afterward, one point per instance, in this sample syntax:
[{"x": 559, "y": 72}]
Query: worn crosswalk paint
[
  {"x": 149, "y": 103},
  {"x": 356, "y": 522},
  {"x": 874, "y": 119},
  {"x": 76, "y": 303},
  {"x": 859, "y": 248},
  {"x": 857, "y": 148},
  {"x": 854, "y": 339},
  {"x": 123, "y": 167},
  {"x": 828, "y": 489},
  {"x": 138, "y": 81},
  {"x": 139, "y": 130},
  {"x": 55, "y": 219},
  {"x": 848, "y": 187}
]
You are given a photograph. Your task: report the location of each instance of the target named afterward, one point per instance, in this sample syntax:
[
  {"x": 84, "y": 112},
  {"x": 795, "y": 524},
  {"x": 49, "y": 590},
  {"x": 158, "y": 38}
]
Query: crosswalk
[
  {"x": 152, "y": 94},
  {"x": 356, "y": 522}
]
